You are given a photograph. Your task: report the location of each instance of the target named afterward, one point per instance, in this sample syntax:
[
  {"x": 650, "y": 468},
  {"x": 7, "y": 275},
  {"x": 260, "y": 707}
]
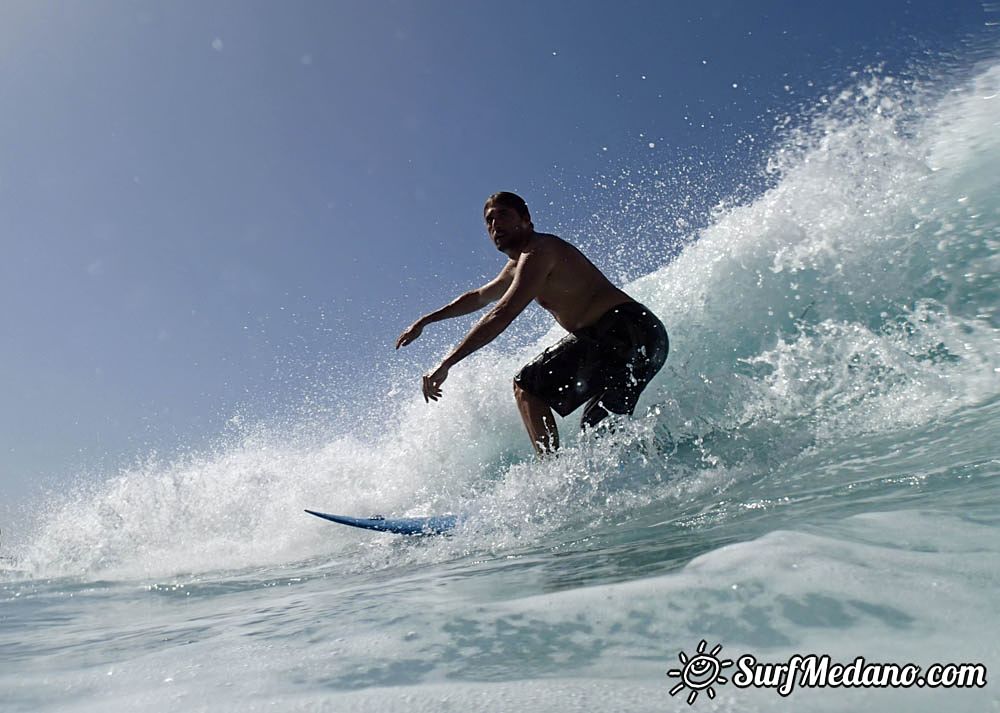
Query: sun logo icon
[{"x": 700, "y": 672}]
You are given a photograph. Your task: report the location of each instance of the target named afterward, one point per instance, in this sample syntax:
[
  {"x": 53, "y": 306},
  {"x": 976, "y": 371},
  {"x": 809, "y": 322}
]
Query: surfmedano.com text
[{"x": 812, "y": 671}]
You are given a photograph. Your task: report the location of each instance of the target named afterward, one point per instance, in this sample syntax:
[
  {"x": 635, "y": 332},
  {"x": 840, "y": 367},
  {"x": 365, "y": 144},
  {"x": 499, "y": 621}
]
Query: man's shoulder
[
  {"x": 543, "y": 248},
  {"x": 548, "y": 244}
]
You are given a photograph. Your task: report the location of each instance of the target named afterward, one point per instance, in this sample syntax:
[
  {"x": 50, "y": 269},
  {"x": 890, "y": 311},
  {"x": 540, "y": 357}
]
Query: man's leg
[
  {"x": 627, "y": 381},
  {"x": 539, "y": 421},
  {"x": 596, "y": 410}
]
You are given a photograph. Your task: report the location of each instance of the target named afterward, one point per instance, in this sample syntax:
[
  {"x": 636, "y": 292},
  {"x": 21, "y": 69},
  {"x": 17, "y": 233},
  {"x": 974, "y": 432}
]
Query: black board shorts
[{"x": 606, "y": 365}]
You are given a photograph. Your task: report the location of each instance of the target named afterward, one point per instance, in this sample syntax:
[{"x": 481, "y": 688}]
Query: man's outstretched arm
[
  {"x": 529, "y": 278},
  {"x": 465, "y": 303}
]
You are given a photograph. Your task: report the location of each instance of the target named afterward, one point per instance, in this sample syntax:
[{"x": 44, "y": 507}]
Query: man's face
[{"x": 505, "y": 226}]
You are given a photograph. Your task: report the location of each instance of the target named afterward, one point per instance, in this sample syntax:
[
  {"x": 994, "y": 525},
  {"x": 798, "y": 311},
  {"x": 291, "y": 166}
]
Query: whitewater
[{"x": 816, "y": 470}]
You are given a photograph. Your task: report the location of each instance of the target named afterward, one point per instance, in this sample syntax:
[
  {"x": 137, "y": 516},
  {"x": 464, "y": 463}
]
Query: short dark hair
[{"x": 509, "y": 200}]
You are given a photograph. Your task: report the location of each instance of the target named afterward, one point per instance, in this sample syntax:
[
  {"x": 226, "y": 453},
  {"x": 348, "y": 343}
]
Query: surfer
[{"x": 614, "y": 348}]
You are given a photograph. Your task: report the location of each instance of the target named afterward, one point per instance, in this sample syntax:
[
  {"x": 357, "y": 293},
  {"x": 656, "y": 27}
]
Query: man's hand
[
  {"x": 433, "y": 381},
  {"x": 410, "y": 333}
]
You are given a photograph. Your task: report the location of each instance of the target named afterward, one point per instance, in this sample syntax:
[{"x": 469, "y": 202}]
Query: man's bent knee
[{"x": 520, "y": 394}]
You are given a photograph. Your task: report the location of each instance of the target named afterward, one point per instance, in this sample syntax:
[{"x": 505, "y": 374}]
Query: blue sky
[{"x": 213, "y": 207}]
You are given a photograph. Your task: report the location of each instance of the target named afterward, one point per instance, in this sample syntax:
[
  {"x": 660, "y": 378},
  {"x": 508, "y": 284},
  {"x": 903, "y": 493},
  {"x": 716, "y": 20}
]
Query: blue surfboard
[{"x": 413, "y": 526}]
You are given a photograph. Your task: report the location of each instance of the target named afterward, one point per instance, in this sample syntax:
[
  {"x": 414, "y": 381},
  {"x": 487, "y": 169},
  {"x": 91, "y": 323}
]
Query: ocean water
[{"x": 815, "y": 471}]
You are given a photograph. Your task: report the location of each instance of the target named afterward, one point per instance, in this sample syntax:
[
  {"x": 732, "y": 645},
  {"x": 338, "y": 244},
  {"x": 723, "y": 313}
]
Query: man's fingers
[
  {"x": 431, "y": 390},
  {"x": 408, "y": 335}
]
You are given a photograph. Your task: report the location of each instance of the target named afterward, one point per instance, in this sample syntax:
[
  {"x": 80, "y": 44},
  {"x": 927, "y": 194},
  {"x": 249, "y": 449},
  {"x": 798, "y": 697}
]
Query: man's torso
[{"x": 575, "y": 292}]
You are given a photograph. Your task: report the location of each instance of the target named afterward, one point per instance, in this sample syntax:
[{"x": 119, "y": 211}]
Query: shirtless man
[{"x": 614, "y": 348}]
